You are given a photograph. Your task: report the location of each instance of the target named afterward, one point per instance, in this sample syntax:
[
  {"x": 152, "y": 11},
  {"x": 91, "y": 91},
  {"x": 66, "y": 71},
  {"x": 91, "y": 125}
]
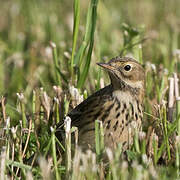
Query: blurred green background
[
  {"x": 27, "y": 27},
  {"x": 148, "y": 30}
]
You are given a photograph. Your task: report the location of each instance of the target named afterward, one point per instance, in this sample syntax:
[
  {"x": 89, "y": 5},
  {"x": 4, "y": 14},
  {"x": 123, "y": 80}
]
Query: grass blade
[
  {"x": 55, "y": 60},
  {"x": 54, "y": 153},
  {"x": 83, "y": 75},
  {"x": 75, "y": 31}
]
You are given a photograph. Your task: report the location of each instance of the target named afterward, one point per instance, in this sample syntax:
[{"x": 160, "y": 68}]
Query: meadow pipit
[{"x": 119, "y": 106}]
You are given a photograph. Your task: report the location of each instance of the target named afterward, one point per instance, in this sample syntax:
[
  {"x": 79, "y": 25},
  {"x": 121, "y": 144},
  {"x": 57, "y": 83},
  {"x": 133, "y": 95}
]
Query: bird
[{"x": 119, "y": 106}]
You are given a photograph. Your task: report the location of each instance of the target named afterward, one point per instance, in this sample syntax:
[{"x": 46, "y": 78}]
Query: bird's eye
[{"x": 127, "y": 68}]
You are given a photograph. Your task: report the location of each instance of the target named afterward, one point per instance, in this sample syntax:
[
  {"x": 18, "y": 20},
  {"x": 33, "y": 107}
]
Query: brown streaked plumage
[{"x": 119, "y": 106}]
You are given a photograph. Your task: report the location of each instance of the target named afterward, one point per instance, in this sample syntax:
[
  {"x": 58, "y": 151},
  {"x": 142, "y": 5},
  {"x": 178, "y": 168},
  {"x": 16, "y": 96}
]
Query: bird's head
[{"x": 125, "y": 73}]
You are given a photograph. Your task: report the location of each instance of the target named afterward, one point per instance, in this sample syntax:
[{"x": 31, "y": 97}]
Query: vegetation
[{"x": 48, "y": 52}]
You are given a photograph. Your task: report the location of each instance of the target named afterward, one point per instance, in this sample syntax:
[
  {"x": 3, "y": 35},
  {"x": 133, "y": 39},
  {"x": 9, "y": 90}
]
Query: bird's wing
[
  {"x": 84, "y": 110},
  {"x": 89, "y": 106}
]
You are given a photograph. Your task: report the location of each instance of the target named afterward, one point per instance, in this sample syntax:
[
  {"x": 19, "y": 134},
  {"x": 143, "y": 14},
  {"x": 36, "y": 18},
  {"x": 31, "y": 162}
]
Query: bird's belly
[{"x": 120, "y": 123}]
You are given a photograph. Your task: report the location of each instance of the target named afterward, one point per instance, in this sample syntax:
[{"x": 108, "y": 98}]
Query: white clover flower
[
  {"x": 67, "y": 124},
  {"x": 20, "y": 96},
  {"x": 153, "y": 66},
  {"x": 48, "y": 52},
  {"x": 142, "y": 135},
  {"x": 109, "y": 154},
  {"x": 75, "y": 94}
]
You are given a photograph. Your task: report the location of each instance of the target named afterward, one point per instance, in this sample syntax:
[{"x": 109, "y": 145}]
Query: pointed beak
[{"x": 107, "y": 66}]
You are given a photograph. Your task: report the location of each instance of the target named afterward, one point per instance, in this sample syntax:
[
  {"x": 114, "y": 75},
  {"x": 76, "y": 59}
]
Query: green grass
[{"x": 48, "y": 56}]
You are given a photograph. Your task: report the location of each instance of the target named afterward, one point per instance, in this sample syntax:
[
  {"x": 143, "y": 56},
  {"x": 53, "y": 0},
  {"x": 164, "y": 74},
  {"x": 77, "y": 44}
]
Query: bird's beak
[{"x": 107, "y": 66}]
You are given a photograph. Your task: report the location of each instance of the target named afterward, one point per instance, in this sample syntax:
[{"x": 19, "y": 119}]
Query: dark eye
[{"x": 127, "y": 68}]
